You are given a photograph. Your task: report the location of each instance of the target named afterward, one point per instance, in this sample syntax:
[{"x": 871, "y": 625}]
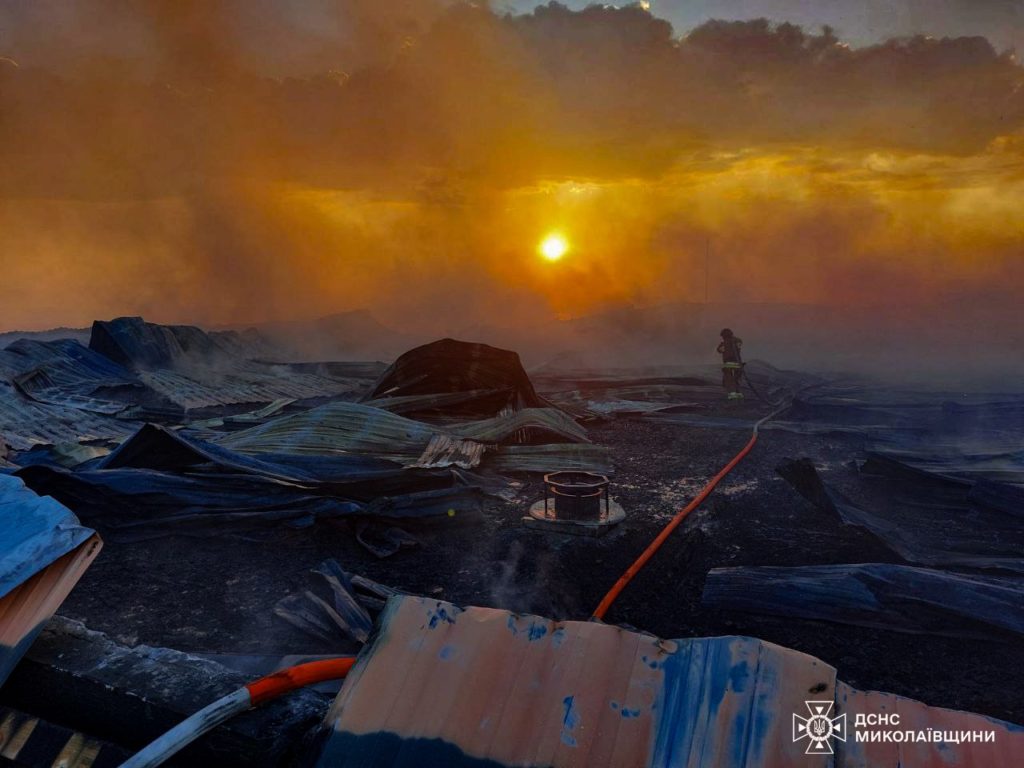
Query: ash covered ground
[
  {"x": 216, "y": 592},
  {"x": 878, "y": 529}
]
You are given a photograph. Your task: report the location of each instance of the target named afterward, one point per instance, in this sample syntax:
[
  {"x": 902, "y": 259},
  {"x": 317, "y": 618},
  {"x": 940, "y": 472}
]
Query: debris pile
[
  {"x": 456, "y": 378},
  {"x": 940, "y": 482},
  {"x": 173, "y": 442},
  {"x": 183, "y": 460}
]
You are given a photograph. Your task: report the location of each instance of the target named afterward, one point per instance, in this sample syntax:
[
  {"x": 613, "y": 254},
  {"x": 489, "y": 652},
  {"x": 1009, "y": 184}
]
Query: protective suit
[{"x": 732, "y": 363}]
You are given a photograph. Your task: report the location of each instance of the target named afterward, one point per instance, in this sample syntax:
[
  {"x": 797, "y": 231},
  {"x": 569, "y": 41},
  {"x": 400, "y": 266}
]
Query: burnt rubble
[{"x": 255, "y": 511}]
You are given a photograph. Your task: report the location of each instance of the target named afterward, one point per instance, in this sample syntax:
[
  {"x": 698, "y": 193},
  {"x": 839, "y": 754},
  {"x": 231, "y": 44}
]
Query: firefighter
[{"x": 732, "y": 363}]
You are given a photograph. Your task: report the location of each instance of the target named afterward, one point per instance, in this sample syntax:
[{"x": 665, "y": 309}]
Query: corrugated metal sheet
[
  {"x": 36, "y": 531},
  {"x": 43, "y": 553},
  {"x": 341, "y": 427},
  {"x": 895, "y": 597},
  {"x": 550, "y": 458},
  {"x": 236, "y": 384},
  {"x": 336, "y": 428},
  {"x": 445, "y": 451},
  {"x": 25, "y": 423},
  {"x": 533, "y": 423},
  {"x": 438, "y": 401},
  {"x": 66, "y": 373},
  {"x": 932, "y": 531},
  {"x": 440, "y": 685},
  {"x": 26, "y": 609},
  {"x": 250, "y": 417}
]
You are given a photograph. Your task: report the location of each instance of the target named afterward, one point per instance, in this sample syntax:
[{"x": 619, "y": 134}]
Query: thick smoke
[{"x": 230, "y": 162}]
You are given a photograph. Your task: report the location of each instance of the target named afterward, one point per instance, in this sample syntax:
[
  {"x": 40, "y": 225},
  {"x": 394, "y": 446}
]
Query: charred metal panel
[
  {"x": 33, "y": 743},
  {"x": 242, "y": 383},
  {"x": 128, "y": 696},
  {"x": 450, "y": 366},
  {"x": 336, "y": 428},
  {"x": 26, "y": 423},
  {"x": 901, "y": 598},
  {"x": 581, "y": 457}
]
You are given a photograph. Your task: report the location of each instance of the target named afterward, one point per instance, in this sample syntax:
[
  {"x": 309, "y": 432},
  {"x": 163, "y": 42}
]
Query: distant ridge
[{"x": 78, "y": 334}]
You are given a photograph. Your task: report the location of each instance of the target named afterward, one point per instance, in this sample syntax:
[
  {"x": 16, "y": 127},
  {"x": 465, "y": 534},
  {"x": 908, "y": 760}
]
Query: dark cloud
[{"x": 602, "y": 92}]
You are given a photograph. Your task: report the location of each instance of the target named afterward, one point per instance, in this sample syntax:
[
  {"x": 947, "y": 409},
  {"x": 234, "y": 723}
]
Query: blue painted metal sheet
[
  {"x": 35, "y": 531},
  {"x": 481, "y": 688},
  {"x": 900, "y": 598},
  {"x": 477, "y": 687},
  {"x": 43, "y": 552}
]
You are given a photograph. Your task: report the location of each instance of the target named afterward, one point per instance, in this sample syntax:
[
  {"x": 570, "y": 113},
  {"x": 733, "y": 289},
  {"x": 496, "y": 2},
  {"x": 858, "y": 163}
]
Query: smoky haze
[{"x": 231, "y": 162}]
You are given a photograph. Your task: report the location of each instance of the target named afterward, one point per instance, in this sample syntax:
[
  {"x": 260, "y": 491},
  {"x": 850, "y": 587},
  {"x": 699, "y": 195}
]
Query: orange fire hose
[
  {"x": 223, "y": 709},
  {"x": 655, "y": 545},
  {"x": 292, "y": 678}
]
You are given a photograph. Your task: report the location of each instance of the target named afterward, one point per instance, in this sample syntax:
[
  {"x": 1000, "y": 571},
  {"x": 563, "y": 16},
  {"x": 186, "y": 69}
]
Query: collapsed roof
[
  {"x": 60, "y": 392},
  {"x": 162, "y": 481},
  {"x": 284, "y": 463},
  {"x": 136, "y": 344},
  {"x": 456, "y": 377},
  {"x": 196, "y": 369},
  {"x": 360, "y": 429},
  {"x": 425, "y": 445}
]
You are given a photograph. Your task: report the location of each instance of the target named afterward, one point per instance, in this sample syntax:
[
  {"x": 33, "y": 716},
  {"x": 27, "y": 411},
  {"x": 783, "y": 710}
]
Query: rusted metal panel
[
  {"x": 445, "y": 451},
  {"x": 479, "y": 687},
  {"x": 26, "y": 608},
  {"x": 486, "y": 687},
  {"x": 43, "y": 554}
]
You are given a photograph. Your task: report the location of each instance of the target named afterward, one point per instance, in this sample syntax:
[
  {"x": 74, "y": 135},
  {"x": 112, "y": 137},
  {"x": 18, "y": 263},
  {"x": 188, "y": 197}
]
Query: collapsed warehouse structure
[{"x": 152, "y": 433}]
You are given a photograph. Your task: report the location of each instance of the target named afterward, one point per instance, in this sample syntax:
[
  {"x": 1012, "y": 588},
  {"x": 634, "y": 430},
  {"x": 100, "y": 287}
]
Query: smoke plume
[{"x": 233, "y": 162}]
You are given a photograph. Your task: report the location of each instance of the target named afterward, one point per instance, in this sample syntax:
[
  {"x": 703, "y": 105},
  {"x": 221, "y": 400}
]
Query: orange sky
[{"x": 180, "y": 181}]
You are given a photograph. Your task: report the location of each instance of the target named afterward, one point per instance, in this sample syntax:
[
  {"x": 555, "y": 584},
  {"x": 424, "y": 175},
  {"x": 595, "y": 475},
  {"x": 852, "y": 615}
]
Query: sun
[{"x": 553, "y": 247}]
